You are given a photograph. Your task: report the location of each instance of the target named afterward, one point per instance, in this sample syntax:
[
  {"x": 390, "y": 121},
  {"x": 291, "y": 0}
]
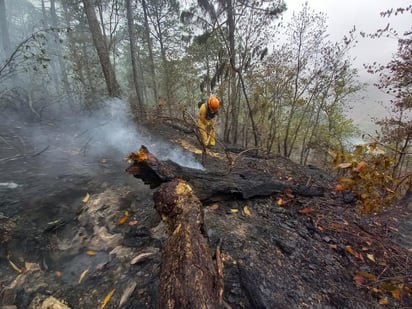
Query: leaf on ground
[
  {"x": 366, "y": 275},
  {"x": 247, "y": 212},
  {"x": 54, "y": 222},
  {"x": 345, "y": 165},
  {"x": 86, "y": 198},
  {"x": 306, "y": 210},
  {"x": 353, "y": 252},
  {"x": 234, "y": 210},
  {"x": 336, "y": 226},
  {"x": 128, "y": 291},
  {"x": 123, "y": 219},
  {"x": 339, "y": 187},
  {"x": 177, "y": 229},
  {"x": 31, "y": 266},
  {"x": 14, "y": 266},
  {"x": 370, "y": 257},
  {"x": 396, "y": 293},
  {"x": 107, "y": 298},
  {"x": 214, "y": 206},
  {"x": 384, "y": 301},
  {"x": 133, "y": 222},
  {"x": 83, "y": 274},
  {"x": 389, "y": 286},
  {"x": 91, "y": 252},
  {"x": 58, "y": 274},
  {"x": 359, "y": 280},
  {"x": 407, "y": 289},
  {"x": 141, "y": 257},
  {"x": 280, "y": 201},
  {"x": 361, "y": 165}
]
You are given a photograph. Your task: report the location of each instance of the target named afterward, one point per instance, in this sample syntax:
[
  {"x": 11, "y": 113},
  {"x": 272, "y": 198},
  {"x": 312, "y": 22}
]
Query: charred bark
[
  {"x": 188, "y": 276},
  {"x": 208, "y": 186}
]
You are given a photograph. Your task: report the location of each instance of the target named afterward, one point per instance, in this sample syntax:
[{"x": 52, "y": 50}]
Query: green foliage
[{"x": 367, "y": 172}]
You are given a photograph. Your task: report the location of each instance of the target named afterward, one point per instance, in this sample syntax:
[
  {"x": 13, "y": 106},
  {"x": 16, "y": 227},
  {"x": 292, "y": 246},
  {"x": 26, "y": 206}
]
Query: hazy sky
[{"x": 342, "y": 15}]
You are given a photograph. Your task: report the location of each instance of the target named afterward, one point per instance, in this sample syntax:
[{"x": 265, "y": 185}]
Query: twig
[
  {"x": 24, "y": 155},
  {"x": 41, "y": 151}
]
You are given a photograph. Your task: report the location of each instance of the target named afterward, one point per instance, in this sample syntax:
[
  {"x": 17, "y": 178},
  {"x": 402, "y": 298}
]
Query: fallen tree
[{"x": 242, "y": 183}]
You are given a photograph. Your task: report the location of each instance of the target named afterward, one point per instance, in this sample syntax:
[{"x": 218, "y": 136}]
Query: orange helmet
[{"x": 213, "y": 103}]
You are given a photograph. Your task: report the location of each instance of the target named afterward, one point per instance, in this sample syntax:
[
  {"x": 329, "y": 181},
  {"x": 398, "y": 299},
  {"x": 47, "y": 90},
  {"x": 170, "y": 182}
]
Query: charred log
[
  {"x": 188, "y": 277},
  {"x": 209, "y": 186}
]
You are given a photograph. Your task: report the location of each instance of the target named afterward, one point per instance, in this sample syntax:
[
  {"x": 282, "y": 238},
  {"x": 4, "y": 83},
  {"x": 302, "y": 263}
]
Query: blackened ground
[{"x": 63, "y": 240}]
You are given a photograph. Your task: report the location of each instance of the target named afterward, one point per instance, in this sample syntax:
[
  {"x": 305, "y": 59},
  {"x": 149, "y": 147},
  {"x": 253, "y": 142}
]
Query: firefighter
[{"x": 207, "y": 121}]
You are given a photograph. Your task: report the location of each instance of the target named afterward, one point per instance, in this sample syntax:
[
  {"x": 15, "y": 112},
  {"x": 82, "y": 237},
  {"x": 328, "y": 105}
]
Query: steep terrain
[{"x": 78, "y": 232}]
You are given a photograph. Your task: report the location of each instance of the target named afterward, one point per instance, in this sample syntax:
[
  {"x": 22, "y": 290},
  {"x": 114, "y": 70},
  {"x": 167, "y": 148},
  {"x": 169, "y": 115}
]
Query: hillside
[{"x": 79, "y": 232}]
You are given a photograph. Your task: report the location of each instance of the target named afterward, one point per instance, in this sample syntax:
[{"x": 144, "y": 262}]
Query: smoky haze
[{"x": 106, "y": 134}]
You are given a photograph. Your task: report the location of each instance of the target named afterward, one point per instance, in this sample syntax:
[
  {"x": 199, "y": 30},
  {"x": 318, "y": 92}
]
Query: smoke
[
  {"x": 81, "y": 141},
  {"x": 120, "y": 132},
  {"x": 110, "y": 132}
]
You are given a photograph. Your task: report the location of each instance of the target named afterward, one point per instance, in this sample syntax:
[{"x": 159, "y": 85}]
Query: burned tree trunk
[
  {"x": 208, "y": 186},
  {"x": 188, "y": 277}
]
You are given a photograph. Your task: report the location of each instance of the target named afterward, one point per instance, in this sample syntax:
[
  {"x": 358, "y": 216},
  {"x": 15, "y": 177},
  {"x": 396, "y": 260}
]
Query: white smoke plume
[{"x": 111, "y": 130}]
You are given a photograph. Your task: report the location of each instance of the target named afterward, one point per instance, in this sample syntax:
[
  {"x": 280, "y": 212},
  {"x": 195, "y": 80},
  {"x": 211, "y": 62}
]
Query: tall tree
[
  {"x": 113, "y": 87},
  {"x": 5, "y": 37},
  {"x": 149, "y": 43},
  {"x": 164, "y": 19},
  {"x": 134, "y": 54},
  {"x": 58, "y": 47}
]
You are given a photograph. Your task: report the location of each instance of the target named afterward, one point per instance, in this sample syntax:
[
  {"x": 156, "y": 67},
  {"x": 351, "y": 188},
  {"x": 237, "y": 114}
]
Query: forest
[
  {"x": 288, "y": 220},
  {"x": 284, "y": 85}
]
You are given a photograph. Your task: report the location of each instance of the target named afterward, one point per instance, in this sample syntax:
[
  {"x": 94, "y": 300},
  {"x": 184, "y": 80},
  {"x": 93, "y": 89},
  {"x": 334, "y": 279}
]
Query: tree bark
[
  {"x": 99, "y": 42},
  {"x": 188, "y": 276},
  {"x": 134, "y": 54}
]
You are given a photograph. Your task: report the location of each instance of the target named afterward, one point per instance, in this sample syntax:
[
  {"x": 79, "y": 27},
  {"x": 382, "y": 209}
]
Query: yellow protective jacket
[{"x": 206, "y": 126}]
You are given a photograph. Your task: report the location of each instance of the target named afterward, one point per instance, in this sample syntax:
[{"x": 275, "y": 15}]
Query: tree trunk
[
  {"x": 188, "y": 277},
  {"x": 234, "y": 103},
  {"x": 135, "y": 64},
  {"x": 150, "y": 50},
  {"x": 55, "y": 78},
  {"x": 5, "y": 38},
  {"x": 76, "y": 59},
  {"x": 113, "y": 87},
  {"x": 59, "y": 52},
  {"x": 243, "y": 183}
]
